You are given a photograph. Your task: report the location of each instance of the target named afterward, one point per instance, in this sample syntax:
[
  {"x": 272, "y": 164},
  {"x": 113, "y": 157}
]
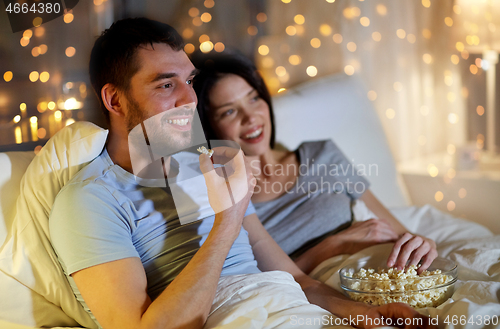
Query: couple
[{"x": 128, "y": 258}]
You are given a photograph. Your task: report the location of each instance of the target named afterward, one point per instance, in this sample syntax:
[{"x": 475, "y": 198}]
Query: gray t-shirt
[
  {"x": 105, "y": 213},
  {"x": 319, "y": 204}
]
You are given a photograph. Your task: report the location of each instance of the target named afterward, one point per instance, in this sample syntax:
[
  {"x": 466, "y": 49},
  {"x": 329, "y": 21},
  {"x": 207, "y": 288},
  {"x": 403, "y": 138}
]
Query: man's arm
[
  {"x": 116, "y": 292},
  {"x": 271, "y": 257}
]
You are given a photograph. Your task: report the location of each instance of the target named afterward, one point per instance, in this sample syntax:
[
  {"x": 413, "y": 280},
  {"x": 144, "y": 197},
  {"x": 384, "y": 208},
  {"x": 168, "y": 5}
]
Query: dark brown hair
[
  {"x": 215, "y": 66},
  {"x": 113, "y": 57}
]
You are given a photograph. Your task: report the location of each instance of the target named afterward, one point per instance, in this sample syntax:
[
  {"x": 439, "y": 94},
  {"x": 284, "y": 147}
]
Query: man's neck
[{"x": 117, "y": 146}]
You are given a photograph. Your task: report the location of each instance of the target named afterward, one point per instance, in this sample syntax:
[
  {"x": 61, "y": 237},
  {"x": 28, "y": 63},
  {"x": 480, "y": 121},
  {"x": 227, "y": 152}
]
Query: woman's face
[{"x": 238, "y": 113}]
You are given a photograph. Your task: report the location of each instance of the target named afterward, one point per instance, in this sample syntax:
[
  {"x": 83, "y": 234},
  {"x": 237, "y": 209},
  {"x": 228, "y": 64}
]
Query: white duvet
[{"x": 274, "y": 300}]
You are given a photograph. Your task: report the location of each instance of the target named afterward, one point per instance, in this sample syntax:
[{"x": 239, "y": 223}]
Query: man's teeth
[
  {"x": 254, "y": 134},
  {"x": 180, "y": 122}
]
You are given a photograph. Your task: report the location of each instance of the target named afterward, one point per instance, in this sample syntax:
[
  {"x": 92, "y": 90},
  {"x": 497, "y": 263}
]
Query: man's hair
[
  {"x": 113, "y": 58},
  {"x": 214, "y": 67}
]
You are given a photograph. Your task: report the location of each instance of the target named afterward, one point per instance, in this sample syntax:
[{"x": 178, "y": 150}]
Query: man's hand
[
  {"x": 229, "y": 187},
  {"x": 414, "y": 248},
  {"x": 400, "y": 315}
]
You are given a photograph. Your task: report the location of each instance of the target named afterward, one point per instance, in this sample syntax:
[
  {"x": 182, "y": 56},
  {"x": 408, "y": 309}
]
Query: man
[{"x": 129, "y": 260}]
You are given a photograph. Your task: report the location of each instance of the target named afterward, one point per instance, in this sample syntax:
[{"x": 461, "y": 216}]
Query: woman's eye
[
  {"x": 228, "y": 112},
  {"x": 255, "y": 98}
]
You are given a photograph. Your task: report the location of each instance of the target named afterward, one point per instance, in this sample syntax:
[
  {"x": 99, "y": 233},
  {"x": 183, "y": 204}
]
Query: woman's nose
[{"x": 248, "y": 117}]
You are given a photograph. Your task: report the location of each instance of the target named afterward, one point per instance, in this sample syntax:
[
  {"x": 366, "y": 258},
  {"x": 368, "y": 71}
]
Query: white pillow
[{"x": 35, "y": 291}]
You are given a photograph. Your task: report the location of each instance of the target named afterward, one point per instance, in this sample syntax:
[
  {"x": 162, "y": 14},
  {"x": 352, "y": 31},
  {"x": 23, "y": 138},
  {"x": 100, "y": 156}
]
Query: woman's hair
[{"x": 212, "y": 68}]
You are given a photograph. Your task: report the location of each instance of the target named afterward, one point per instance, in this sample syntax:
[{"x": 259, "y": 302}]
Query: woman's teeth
[
  {"x": 254, "y": 134},
  {"x": 180, "y": 122}
]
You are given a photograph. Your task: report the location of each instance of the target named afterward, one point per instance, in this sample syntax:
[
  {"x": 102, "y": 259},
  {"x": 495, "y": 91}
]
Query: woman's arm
[{"x": 412, "y": 247}]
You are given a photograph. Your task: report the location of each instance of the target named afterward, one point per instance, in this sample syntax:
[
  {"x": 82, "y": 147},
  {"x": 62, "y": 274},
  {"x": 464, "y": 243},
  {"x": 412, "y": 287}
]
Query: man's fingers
[
  {"x": 206, "y": 164},
  {"x": 391, "y": 261}
]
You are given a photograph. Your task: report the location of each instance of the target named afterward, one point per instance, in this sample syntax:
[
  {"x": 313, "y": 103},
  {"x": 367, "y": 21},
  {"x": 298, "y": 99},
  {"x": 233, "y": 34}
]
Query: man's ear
[{"x": 111, "y": 99}]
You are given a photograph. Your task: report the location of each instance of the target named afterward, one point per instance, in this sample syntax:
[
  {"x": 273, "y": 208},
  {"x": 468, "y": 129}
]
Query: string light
[
  {"x": 7, "y": 76},
  {"x": 432, "y": 170},
  {"x": 365, "y": 21},
  {"x": 17, "y": 118},
  {"x": 42, "y": 133},
  {"x": 349, "y": 69},
  {"x": 27, "y": 34},
  {"x": 252, "y": 30},
  {"x": 294, "y": 59},
  {"x": 209, "y": 3},
  {"x": 51, "y": 105},
  {"x": 480, "y": 110},
  {"x": 18, "y": 135},
  {"x": 315, "y": 43},
  {"x": 70, "y": 51},
  {"x": 291, "y": 30},
  {"x": 438, "y": 196},
  {"x": 193, "y": 12},
  {"x": 189, "y": 48},
  {"x": 372, "y": 95},
  {"x": 203, "y": 38},
  {"x": 39, "y": 31},
  {"x": 68, "y": 18},
  {"x": 390, "y": 113},
  {"x": 44, "y": 76},
  {"x": 337, "y": 38},
  {"x": 427, "y": 58},
  {"x": 261, "y": 17},
  {"x": 206, "y": 17},
  {"x": 33, "y": 76},
  {"x": 381, "y": 10},
  {"x": 325, "y": 30},
  {"x": 462, "y": 193},
  {"x": 24, "y": 42},
  {"x": 401, "y": 33},
  {"x": 263, "y": 50},
  {"x": 351, "y": 46},
  {"x": 219, "y": 47},
  {"x": 312, "y": 71},
  {"x": 299, "y": 19},
  {"x": 206, "y": 46},
  {"x": 37, "y": 21},
  {"x": 187, "y": 33}
]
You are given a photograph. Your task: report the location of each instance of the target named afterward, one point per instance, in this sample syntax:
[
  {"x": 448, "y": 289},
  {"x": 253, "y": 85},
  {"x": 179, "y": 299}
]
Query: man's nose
[{"x": 186, "y": 95}]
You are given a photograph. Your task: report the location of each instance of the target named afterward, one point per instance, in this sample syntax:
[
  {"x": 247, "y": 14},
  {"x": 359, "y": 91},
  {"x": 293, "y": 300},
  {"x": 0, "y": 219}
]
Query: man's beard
[{"x": 166, "y": 141}]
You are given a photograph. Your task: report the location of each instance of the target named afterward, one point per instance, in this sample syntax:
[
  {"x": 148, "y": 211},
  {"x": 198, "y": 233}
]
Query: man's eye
[
  {"x": 189, "y": 82},
  {"x": 167, "y": 85}
]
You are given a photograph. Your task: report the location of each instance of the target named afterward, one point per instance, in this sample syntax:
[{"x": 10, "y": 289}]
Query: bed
[{"x": 35, "y": 293}]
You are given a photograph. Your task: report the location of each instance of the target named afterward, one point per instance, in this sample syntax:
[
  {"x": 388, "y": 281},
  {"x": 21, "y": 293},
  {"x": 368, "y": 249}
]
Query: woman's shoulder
[{"x": 318, "y": 148}]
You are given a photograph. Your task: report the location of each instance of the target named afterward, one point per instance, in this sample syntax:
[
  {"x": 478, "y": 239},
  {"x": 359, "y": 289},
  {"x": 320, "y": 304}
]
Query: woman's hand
[
  {"x": 362, "y": 235},
  {"x": 414, "y": 248}
]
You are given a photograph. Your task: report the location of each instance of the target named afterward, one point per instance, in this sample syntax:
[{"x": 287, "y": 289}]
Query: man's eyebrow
[
  {"x": 162, "y": 76},
  {"x": 223, "y": 105}
]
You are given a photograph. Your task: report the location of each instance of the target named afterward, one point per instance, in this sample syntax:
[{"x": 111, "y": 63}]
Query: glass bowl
[{"x": 418, "y": 292}]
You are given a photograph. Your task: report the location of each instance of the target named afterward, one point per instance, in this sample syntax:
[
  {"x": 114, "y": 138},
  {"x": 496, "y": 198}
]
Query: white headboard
[{"x": 336, "y": 107}]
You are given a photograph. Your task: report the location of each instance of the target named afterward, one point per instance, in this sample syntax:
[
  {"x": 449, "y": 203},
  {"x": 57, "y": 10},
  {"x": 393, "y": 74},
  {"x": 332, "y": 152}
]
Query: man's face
[{"x": 161, "y": 95}]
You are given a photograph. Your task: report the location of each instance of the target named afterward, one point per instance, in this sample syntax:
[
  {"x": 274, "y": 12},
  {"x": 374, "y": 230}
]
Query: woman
[{"x": 310, "y": 224}]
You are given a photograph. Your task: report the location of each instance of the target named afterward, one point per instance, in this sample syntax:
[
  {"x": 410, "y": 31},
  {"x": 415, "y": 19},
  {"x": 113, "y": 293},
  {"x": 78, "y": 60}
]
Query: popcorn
[
  {"x": 206, "y": 151},
  {"x": 393, "y": 286}
]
